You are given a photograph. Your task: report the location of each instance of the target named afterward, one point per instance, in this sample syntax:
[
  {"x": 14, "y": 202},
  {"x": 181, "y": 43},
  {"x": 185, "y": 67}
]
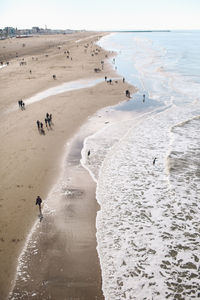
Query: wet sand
[
  {"x": 60, "y": 261},
  {"x": 30, "y": 162}
]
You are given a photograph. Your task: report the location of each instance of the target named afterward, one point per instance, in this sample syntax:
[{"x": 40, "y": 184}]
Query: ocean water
[{"x": 148, "y": 228}]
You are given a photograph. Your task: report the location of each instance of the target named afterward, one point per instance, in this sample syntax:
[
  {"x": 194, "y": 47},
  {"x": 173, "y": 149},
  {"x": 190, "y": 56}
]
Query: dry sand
[{"x": 30, "y": 162}]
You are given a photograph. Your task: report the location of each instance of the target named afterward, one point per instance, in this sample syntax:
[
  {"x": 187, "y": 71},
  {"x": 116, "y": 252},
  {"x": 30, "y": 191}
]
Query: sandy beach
[{"x": 31, "y": 162}]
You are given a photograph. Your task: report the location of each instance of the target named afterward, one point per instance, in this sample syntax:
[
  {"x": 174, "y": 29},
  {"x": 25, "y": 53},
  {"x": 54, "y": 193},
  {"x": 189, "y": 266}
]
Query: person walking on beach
[
  {"x": 144, "y": 98},
  {"x": 39, "y": 202},
  {"x": 123, "y": 79},
  {"x": 23, "y": 105},
  {"x": 46, "y": 122},
  {"x": 49, "y": 122},
  {"x": 41, "y": 128},
  {"x": 38, "y": 124},
  {"x": 20, "y": 102},
  {"x": 50, "y": 118},
  {"x": 127, "y": 93},
  {"x": 154, "y": 161}
]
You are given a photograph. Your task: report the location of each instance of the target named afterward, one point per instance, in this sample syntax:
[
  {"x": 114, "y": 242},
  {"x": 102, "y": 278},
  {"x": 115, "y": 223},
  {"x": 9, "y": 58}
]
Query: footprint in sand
[
  {"x": 23, "y": 199},
  {"x": 15, "y": 240},
  {"x": 18, "y": 185}
]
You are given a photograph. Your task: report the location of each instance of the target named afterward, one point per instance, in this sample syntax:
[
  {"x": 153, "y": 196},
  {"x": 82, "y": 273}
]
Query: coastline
[
  {"x": 60, "y": 258},
  {"x": 31, "y": 162}
]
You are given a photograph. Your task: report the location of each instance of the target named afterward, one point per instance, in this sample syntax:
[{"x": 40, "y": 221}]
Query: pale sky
[{"x": 101, "y": 14}]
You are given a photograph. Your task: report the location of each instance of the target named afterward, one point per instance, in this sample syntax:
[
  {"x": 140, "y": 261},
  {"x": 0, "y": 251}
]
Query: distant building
[
  {"x": 15, "y": 32},
  {"x": 9, "y": 31},
  {"x": 35, "y": 29}
]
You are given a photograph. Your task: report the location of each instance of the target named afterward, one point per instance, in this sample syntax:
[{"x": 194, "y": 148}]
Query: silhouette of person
[
  {"x": 127, "y": 93},
  {"x": 154, "y": 161},
  {"x": 39, "y": 202},
  {"x": 23, "y": 105},
  {"x": 49, "y": 122},
  {"x": 88, "y": 153},
  {"x": 46, "y": 122},
  {"x": 41, "y": 129},
  {"x": 20, "y": 103},
  {"x": 38, "y": 124}
]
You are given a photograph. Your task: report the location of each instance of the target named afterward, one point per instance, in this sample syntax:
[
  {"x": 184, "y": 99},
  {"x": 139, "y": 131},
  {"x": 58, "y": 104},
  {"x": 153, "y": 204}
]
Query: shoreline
[
  {"x": 34, "y": 267},
  {"x": 29, "y": 167}
]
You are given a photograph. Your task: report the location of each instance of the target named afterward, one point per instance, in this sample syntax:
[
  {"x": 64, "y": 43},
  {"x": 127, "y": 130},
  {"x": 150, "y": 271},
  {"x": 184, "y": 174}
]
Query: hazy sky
[{"x": 101, "y": 14}]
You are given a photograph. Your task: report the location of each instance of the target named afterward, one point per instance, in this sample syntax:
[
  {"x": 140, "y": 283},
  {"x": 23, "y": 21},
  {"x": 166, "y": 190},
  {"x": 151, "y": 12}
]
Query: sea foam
[{"x": 147, "y": 227}]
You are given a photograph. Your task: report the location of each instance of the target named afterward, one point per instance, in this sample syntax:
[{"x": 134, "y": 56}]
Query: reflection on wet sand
[
  {"x": 62, "y": 88},
  {"x": 61, "y": 261}
]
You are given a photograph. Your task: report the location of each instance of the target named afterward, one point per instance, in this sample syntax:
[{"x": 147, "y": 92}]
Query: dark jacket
[{"x": 38, "y": 201}]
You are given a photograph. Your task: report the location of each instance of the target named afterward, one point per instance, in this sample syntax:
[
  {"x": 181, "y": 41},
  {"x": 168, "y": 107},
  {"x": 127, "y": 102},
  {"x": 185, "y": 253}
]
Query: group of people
[
  {"x": 1, "y": 63},
  {"x": 40, "y": 126},
  {"x": 110, "y": 80},
  {"x": 48, "y": 123},
  {"x": 21, "y": 104}
]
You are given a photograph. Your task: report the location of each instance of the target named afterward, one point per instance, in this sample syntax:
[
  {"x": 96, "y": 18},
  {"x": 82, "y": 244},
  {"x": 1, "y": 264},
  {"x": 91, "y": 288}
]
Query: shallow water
[
  {"x": 2, "y": 66},
  {"x": 49, "y": 266},
  {"x": 147, "y": 228},
  {"x": 65, "y": 87},
  {"x": 59, "y": 89},
  {"x": 59, "y": 260}
]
